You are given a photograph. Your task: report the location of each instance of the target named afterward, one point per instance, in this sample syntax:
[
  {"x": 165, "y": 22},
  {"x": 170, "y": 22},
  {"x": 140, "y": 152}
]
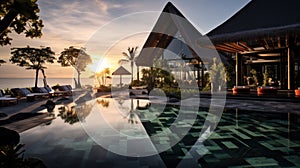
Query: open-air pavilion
[
  {"x": 121, "y": 71},
  {"x": 263, "y": 35}
]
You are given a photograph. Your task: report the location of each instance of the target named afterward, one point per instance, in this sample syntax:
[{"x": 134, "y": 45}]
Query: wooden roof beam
[
  {"x": 230, "y": 48},
  {"x": 245, "y": 45},
  {"x": 273, "y": 42},
  {"x": 232, "y": 45},
  {"x": 263, "y": 51},
  {"x": 278, "y": 42},
  {"x": 226, "y": 48},
  {"x": 296, "y": 39},
  {"x": 235, "y": 45},
  {"x": 266, "y": 44}
]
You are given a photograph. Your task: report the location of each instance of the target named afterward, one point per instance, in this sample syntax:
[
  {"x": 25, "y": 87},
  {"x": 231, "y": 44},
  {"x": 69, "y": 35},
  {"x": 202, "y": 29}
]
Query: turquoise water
[{"x": 242, "y": 138}]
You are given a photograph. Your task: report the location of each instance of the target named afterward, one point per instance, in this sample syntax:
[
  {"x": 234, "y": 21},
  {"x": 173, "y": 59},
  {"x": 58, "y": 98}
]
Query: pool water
[
  {"x": 241, "y": 139},
  {"x": 244, "y": 139}
]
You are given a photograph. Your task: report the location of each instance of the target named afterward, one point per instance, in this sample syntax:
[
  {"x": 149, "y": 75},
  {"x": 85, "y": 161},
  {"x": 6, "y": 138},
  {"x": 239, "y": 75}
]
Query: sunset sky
[{"x": 107, "y": 28}]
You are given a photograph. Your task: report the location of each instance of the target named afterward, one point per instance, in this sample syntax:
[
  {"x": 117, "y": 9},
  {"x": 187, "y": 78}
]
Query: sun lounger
[
  {"x": 39, "y": 90},
  {"x": 4, "y": 101},
  {"x": 67, "y": 89},
  {"x": 53, "y": 93},
  {"x": 138, "y": 91},
  {"x": 64, "y": 90},
  {"x": 47, "y": 90},
  {"x": 20, "y": 93}
]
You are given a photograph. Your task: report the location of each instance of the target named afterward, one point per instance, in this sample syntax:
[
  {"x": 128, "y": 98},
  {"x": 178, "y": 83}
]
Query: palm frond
[
  {"x": 122, "y": 61},
  {"x": 126, "y": 55}
]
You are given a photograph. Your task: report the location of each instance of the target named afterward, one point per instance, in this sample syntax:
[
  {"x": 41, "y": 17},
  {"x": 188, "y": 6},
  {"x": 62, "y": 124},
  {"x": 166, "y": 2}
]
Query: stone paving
[
  {"x": 258, "y": 105},
  {"x": 241, "y": 103}
]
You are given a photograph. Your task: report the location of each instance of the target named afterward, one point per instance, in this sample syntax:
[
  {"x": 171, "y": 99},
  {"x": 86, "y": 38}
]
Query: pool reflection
[
  {"x": 72, "y": 113},
  {"x": 242, "y": 138}
]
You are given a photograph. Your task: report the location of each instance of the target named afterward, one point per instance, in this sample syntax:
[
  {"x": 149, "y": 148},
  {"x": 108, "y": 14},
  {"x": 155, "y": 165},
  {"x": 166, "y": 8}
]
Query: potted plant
[{"x": 297, "y": 92}]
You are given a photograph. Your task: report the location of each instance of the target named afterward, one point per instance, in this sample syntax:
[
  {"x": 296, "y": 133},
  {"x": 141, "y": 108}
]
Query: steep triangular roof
[
  {"x": 170, "y": 22},
  {"x": 260, "y": 18},
  {"x": 121, "y": 71},
  {"x": 170, "y": 8}
]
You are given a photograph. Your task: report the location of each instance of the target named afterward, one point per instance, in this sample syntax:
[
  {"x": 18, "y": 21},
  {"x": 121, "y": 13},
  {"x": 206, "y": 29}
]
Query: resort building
[{"x": 262, "y": 36}]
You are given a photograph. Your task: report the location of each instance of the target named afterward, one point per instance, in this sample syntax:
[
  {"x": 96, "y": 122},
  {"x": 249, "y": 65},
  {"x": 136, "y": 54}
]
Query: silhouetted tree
[
  {"x": 32, "y": 58},
  {"x": 77, "y": 58},
  {"x": 19, "y": 16}
]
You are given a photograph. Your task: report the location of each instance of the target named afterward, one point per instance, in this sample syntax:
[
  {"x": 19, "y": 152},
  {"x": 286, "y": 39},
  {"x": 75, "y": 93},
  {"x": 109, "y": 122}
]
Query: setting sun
[{"x": 100, "y": 65}]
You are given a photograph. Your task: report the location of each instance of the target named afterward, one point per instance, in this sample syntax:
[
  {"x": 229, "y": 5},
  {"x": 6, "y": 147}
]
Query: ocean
[{"x": 29, "y": 82}]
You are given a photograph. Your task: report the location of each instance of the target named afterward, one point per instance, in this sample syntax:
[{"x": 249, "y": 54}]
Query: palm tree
[
  {"x": 106, "y": 74},
  {"x": 130, "y": 57},
  {"x": 103, "y": 75},
  {"x": 218, "y": 75}
]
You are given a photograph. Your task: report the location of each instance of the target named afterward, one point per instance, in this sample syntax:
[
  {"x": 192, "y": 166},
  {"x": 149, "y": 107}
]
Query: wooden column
[
  {"x": 198, "y": 74},
  {"x": 238, "y": 69},
  {"x": 282, "y": 69},
  {"x": 291, "y": 68},
  {"x": 202, "y": 74}
]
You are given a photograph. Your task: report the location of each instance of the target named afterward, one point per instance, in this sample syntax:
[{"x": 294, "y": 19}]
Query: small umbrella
[{"x": 121, "y": 71}]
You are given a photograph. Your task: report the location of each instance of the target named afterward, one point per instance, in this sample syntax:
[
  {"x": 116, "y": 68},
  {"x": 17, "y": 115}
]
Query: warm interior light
[
  {"x": 264, "y": 61},
  {"x": 258, "y": 48},
  {"x": 269, "y": 55}
]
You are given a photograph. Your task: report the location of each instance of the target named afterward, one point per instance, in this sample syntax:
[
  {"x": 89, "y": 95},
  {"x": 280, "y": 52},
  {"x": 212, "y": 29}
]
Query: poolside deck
[
  {"x": 283, "y": 101},
  {"x": 26, "y": 115},
  {"x": 28, "y": 123}
]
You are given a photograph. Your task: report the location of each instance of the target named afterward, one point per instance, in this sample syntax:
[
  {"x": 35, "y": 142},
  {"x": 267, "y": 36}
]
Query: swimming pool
[{"x": 241, "y": 139}]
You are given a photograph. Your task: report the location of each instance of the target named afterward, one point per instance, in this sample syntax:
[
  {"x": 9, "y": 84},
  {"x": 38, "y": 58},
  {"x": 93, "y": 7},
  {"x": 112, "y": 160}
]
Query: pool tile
[
  {"x": 262, "y": 162},
  {"x": 238, "y": 133},
  {"x": 229, "y": 145}
]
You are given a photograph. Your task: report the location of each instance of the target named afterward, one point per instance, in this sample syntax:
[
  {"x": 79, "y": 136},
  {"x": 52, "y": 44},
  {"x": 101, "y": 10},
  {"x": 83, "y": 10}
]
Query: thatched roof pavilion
[{"x": 174, "y": 33}]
